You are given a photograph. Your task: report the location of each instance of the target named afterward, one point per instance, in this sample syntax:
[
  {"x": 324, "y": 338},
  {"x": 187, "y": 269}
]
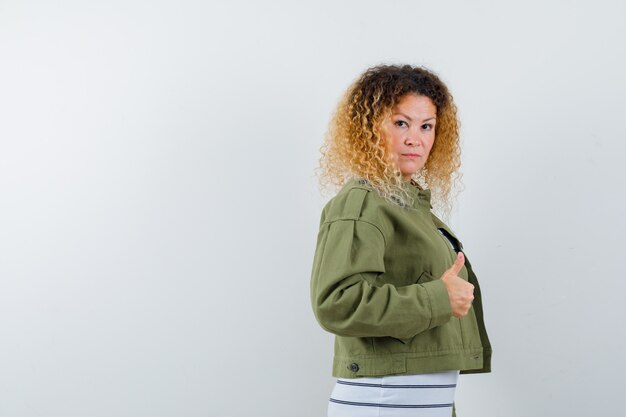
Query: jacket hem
[
  {"x": 471, "y": 359},
  {"x": 486, "y": 368}
]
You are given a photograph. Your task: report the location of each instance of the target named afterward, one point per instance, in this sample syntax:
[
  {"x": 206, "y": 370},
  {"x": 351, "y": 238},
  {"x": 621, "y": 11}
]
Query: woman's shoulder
[{"x": 351, "y": 200}]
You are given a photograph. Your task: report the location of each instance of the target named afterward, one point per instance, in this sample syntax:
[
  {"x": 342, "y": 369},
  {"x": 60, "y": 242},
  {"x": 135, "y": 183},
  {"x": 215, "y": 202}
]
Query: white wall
[{"x": 159, "y": 209}]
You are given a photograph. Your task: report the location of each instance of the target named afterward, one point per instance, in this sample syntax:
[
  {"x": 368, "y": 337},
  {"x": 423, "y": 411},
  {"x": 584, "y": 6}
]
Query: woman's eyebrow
[{"x": 410, "y": 120}]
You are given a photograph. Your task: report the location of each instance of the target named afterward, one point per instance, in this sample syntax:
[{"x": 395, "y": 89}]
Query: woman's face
[{"x": 411, "y": 132}]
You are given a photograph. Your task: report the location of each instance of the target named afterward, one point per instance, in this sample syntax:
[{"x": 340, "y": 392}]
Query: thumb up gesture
[{"x": 461, "y": 292}]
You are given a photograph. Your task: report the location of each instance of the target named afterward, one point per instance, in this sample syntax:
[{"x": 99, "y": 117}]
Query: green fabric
[{"x": 375, "y": 285}]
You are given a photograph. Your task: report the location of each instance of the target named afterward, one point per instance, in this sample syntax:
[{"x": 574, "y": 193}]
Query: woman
[{"x": 389, "y": 278}]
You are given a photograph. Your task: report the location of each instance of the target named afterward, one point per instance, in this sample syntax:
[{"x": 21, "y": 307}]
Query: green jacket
[{"x": 375, "y": 285}]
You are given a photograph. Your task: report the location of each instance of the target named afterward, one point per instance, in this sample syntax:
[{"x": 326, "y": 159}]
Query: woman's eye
[
  {"x": 401, "y": 123},
  {"x": 427, "y": 126}
]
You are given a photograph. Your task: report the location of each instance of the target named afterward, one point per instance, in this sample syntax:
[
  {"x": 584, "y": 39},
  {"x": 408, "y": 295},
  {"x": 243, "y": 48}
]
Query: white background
[{"x": 159, "y": 209}]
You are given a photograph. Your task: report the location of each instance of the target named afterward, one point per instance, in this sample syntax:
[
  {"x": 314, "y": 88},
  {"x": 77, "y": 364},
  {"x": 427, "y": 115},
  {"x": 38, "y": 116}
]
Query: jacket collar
[{"x": 421, "y": 197}]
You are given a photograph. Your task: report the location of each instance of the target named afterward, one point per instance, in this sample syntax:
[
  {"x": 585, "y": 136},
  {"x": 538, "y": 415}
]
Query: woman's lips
[{"x": 410, "y": 155}]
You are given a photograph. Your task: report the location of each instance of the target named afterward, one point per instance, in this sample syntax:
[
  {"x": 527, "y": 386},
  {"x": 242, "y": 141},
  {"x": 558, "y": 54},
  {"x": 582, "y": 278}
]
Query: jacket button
[{"x": 354, "y": 367}]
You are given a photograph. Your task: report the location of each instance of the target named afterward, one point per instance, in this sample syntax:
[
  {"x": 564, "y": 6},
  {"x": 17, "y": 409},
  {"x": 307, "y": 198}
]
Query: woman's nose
[{"x": 412, "y": 139}]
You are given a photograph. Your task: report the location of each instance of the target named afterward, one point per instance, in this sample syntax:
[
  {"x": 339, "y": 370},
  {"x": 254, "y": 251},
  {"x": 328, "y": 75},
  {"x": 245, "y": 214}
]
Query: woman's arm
[{"x": 348, "y": 259}]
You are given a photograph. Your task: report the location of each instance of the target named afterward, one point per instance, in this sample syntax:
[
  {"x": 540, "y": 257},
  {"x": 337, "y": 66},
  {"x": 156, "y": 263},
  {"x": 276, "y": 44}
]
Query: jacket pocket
[{"x": 424, "y": 277}]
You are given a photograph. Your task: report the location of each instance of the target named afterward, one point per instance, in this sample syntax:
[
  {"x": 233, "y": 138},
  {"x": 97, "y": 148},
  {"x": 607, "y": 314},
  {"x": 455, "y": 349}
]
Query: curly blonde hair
[{"x": 355, "y": 145}]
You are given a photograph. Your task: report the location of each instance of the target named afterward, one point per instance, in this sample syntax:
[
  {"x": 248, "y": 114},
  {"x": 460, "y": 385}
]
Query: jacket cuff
[{"x": 440, "y": 307}]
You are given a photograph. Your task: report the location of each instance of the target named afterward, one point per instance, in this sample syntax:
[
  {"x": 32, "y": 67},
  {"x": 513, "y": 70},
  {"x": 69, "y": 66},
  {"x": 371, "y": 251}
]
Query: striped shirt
[{"x": 427, "y": 395}]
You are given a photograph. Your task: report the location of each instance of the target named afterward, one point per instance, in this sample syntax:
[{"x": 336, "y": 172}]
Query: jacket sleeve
[{"x": 349, "y": 258}]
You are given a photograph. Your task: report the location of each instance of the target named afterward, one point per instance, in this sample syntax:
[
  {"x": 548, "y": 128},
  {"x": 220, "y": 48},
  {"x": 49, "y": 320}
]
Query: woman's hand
[{"x": 461, "y": 292}]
